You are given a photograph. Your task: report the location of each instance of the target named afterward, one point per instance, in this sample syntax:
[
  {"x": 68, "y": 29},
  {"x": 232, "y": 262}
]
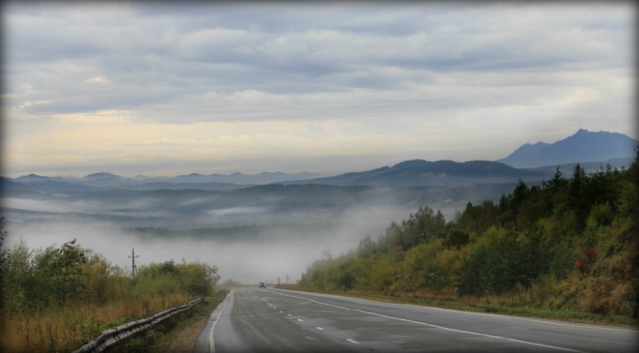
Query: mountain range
[
  {"x": 440, "y": 173},
  {"x": 532, "y": 163},
  {"x": 104, "y": 180}
]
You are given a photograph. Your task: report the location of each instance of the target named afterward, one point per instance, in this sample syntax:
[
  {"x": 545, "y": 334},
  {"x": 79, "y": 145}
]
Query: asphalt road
[{"x": 271, "y": 320}]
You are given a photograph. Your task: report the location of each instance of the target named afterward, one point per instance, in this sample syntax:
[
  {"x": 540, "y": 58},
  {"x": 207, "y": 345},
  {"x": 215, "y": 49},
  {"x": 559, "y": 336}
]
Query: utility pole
[
  {"x": 132, "y": 256},
  {"x": 286, "y": 279}
]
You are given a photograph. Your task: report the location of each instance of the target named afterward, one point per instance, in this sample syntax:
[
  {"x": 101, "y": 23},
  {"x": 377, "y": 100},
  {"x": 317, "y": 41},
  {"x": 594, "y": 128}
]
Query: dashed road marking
[
  {"x": 314, "y": 301},
  {"x": 352, "y": 341},
  {"x": 431, "y": 325},
  {"x": 288, "y": 314},
  {"x": 319, "y": 328},
  {"x": 300, "y": 320}
]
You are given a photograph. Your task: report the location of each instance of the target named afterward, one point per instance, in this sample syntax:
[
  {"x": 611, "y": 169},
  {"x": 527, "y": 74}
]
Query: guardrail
[{"x": 111, "y": 337}]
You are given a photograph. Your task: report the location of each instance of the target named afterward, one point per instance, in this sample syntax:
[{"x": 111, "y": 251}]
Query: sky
[{"x": 168, "y": 89}]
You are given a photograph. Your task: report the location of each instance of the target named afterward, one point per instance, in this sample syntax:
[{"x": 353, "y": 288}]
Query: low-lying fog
[{"x": 251, "y": 240}]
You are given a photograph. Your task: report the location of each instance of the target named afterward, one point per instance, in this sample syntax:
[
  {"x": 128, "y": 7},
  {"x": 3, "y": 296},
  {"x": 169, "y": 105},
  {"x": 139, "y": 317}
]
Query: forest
[
  {"x": 58, "y": 298},
  {"x": 568, "y": 244}
]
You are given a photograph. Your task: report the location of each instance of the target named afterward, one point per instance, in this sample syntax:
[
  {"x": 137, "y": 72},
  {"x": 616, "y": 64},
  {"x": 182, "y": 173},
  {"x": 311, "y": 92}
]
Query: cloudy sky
[{"x": 173, "y": 89}]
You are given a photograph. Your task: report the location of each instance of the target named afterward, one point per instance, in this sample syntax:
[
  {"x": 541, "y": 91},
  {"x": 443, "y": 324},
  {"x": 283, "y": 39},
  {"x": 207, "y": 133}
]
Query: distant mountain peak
[
  {"x": 102, "y": 175},
  {"x": 583, "y": 146},
  {"x": 32, "y": 178}
]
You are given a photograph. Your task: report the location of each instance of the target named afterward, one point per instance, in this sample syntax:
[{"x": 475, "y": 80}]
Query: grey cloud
[{"x": 159, "y": 55}]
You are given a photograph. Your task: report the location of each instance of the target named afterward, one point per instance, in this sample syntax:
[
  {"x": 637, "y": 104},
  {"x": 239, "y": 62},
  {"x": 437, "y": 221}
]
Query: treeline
[
  {"x": 566, "y": 244},
  {"x": 57, "y": 298}
]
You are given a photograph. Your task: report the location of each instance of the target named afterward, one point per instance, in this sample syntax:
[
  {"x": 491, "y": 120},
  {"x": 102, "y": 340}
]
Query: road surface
[{"x": 272, "y": 320}]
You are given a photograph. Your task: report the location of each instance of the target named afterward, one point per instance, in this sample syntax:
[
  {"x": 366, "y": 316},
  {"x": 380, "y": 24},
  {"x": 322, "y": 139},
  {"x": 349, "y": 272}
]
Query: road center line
[{"x": 436, "y": 326}]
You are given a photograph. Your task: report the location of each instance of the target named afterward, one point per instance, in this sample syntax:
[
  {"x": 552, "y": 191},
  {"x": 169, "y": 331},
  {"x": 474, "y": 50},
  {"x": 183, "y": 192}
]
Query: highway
[{"x": 272, "y": 320}]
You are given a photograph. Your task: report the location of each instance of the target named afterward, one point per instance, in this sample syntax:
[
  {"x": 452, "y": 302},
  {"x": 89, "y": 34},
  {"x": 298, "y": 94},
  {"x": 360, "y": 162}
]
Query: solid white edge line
[
  {"x": 469, "y": 332},
  {"x": 211, "y": 342},
  {"x": 629, "y": 329},
  {"x": 440, "y": 327}
]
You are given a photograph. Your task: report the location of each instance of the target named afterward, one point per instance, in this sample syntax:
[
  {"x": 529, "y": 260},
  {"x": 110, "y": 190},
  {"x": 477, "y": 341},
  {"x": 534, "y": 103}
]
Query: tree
[
  {"x": 456, "y": 239},
  {"x": 556, "y": 182},
  {"x": 3, "y": 252},
  {"x": 366, "y": 247},
  {"x": 577, "y": 195},
  {"x": 67, "y": 270},
  {"x": 327, "y": 253}
]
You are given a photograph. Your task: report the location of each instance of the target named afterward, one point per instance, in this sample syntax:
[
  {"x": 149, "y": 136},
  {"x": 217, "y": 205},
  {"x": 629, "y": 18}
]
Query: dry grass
[
  {"x": 66, "y": 329},
  {"x": 181, "y": 339}
]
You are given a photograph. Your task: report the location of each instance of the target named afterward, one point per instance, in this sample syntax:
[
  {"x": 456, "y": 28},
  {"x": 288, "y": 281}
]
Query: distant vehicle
[{"x": 262, "y": 285}]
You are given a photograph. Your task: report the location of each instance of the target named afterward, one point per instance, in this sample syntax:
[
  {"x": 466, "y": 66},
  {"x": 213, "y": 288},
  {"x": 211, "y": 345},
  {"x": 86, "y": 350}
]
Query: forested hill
[
  {"x": 420, "y": 172},
  {"x": 568, "y": 244}
]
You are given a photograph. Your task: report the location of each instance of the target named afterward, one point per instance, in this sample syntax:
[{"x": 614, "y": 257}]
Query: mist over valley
[{"x": 285, "y": 226}]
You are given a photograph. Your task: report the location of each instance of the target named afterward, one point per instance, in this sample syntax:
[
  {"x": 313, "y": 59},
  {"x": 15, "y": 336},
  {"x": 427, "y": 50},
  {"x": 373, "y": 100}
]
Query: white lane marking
[
  {"x": 314, "y": 301},
  {"x": 281, "y": 312},
  {"x": 211, "y": 342},
  {"x": 431, "y": 325},
  {"x": 288, "y": 314},
  {"x": 477, "y": 313},
  {"x": 351, "y": 341},
  {"x": 274, "y": 307},
  {"x": 319, "y": 328},
  {"x": 255, "y": 296},
  {"x": 300, "y": 320},
  {"x": 468, "y": 332}
]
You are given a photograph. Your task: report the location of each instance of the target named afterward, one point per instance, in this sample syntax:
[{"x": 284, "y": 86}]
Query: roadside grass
[
  {"x": 490, "y": 304},
  {"x": 68, "y": 328},
  {"x": 176, "y": 334}
]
